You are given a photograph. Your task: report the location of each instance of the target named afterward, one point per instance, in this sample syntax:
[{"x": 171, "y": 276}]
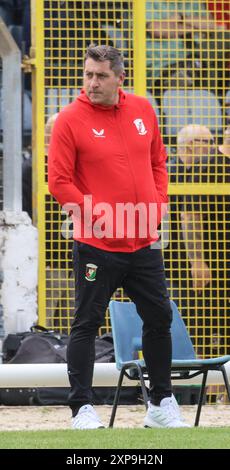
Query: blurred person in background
[
  {"x": 194, "y": 145},
  {"x": 206, "y": 233},
  {"x": 167, "y": 24},
  {"x": 185, "y": 47}
]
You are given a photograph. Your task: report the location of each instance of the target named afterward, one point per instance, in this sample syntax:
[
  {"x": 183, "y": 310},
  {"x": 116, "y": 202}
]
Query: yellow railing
[{"x": 173, "y": 58}]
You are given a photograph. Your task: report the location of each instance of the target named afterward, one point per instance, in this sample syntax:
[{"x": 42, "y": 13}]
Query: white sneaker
[
  {"x": 86, "y": 418},
  {"x": 167, "y": 415}
]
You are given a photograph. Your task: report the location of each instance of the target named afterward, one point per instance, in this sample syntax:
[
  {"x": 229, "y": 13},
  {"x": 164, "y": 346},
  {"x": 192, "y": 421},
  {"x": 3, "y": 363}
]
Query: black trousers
[{"x": 141, "y": 274}]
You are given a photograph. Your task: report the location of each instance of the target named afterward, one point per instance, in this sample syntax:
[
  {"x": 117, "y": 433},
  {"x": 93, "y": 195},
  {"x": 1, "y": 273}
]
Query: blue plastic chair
[
  {"x": 183, "y": 107},
  {"x": 127, "y": 336}
]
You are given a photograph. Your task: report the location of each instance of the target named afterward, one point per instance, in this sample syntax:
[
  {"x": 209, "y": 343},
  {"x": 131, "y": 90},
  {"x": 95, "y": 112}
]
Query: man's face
[
  {"x": 100, "y": 82},
  {"x": 202, "y": 147}
]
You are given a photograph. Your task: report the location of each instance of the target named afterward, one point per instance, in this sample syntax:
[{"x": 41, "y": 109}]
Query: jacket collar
[{"x": 84, "y": 98}]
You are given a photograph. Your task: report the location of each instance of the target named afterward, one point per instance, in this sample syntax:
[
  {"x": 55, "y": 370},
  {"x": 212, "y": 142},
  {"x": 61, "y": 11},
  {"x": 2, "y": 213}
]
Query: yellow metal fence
[{"x": 178, "y": 55}]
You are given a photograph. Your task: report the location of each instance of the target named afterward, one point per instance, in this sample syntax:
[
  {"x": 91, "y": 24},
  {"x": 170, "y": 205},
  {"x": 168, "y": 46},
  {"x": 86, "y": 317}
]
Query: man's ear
[{"x": 121, "y": 79}]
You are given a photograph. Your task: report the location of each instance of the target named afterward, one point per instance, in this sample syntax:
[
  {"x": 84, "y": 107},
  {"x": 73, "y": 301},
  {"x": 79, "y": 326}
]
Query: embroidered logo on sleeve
[
  {"x": 140, "y": 126},
  {"x": 90, "y": 272}
]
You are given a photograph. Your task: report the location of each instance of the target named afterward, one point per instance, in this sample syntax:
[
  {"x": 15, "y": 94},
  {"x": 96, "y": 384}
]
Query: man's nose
[{"x": 94, "y": 82}]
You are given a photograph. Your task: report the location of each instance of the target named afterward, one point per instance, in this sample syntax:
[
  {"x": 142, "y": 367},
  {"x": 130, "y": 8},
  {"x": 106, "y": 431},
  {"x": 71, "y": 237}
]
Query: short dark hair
[{"x": 103, "y": 53}]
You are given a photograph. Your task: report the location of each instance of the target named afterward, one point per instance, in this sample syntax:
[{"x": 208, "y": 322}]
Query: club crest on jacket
[{"x": 140, "y": 126}]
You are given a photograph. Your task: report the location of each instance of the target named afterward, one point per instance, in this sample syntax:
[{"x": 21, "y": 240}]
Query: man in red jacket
[{"x": 107, "y": 166}]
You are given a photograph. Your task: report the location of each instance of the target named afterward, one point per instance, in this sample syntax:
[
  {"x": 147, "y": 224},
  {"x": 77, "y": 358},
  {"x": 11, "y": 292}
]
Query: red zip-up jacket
[{"x": 114, "y": 156}]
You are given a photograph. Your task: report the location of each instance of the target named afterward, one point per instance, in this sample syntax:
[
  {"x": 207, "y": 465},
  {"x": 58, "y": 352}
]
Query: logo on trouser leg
[{"x": 91, "y": 271}]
